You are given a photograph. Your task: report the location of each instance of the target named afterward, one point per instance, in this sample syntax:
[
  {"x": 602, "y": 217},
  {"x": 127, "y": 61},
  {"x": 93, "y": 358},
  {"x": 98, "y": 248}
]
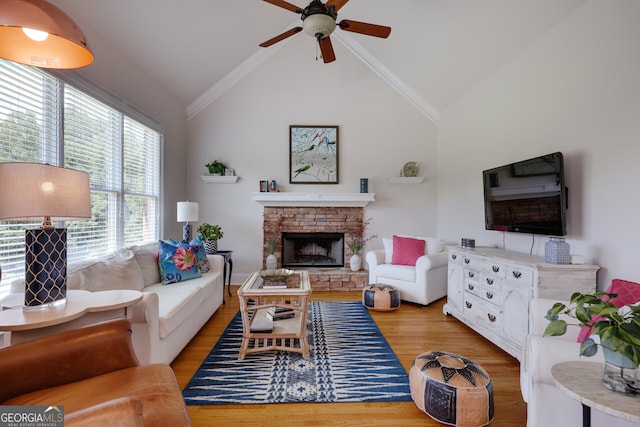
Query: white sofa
[
  {"x": 168, "y": 316},
  {"x": 421, "y": 284},
  {"x": 547, "y": 405}
]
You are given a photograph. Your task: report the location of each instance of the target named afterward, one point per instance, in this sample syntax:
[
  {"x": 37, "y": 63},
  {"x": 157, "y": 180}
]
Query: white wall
[
  {"x": 575, "y": 90},
  {"x": 247, "y": 128},
  {"x": 120, "y": 77}
]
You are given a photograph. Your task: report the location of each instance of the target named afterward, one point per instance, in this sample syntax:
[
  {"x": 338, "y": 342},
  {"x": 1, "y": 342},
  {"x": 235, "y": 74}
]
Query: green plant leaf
[
  {"x": 556, "y": 328},
  {"x": 583, "y": 314},
  {"x": 588, "y": 347}
]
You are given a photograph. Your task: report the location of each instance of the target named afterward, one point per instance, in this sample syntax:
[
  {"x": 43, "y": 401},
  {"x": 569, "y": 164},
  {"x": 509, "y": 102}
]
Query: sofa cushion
[
  {"x": 119, "y": 271},
  {"x": 147, "y": 258},
  {"x": 397, "y": 272},
  {"x": 176, "y": 303},
  {"x": 407, "y": 250},
  {"x": 177, "y": 262}
]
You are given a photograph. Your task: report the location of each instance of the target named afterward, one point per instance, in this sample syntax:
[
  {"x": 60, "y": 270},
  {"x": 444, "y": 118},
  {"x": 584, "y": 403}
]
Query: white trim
[
  {"x": 392, "y": 80},
  {"x": 251, "y": 63},
  {"x": 314, "y": 199}
]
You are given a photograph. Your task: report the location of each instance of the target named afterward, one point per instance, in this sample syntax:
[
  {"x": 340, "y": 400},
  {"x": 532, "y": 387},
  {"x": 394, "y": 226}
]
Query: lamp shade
[
  {"x": 64, "y": 44},
  {"x": 188, "y": 211},
  {"x": 30, "y": 191}
]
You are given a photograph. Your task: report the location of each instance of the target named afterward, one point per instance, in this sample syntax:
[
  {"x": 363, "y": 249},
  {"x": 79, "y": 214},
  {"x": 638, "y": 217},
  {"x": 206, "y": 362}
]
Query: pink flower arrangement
[{"x": 357, "y": 241}]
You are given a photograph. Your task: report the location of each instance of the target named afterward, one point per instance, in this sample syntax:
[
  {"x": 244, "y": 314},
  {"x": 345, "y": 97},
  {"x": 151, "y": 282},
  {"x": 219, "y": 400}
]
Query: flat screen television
[{"x": 529, "y": 196}]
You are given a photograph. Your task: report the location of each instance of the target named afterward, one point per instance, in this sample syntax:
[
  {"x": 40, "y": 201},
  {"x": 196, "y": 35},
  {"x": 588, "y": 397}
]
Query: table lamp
[
  {"x": 30, "y": 191},
  {"x": 187, "y": 212}
]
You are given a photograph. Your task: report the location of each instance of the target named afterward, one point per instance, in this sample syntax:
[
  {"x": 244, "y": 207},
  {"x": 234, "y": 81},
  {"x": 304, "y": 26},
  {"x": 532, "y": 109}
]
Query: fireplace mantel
[{"x": 314, "y": 199}]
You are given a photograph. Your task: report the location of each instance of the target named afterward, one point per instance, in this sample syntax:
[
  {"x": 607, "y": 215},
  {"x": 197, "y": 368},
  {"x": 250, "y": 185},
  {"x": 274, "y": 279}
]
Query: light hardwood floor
[{"x": 410, "y": 331}]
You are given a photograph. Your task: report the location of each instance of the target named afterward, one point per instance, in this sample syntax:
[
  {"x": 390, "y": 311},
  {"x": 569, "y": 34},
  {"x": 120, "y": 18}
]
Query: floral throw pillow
[
  {"x": 177, "y": 262},
  {"x": 201, "y": 255}
]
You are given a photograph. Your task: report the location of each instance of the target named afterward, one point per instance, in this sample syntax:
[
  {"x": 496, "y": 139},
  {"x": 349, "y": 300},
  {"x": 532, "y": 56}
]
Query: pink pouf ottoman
[
  {"x": 381, "y": 297},
  {"x": 451, "y": 389}
]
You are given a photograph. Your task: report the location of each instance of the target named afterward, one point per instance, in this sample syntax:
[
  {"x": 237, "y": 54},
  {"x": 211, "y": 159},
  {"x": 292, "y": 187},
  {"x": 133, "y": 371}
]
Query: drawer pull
[
  {"x": 489, "y": 281},
  {"x": 495, "y": 268},
  {"x": 517, "y": 274},
  {"x": 490, "y": 295},
  {"x": 454, "y": 256},
  {"x": 467, "y": 260},
  {"x": 471, "y": 273},
  {"x": 468, "y": 304},
  {"x": 491, "y": 317},
  {"x": 470, "y": 286}
]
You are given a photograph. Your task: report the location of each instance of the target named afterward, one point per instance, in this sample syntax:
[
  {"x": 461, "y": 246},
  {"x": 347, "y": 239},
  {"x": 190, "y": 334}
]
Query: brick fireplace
[{"x": 320, "y": 219}]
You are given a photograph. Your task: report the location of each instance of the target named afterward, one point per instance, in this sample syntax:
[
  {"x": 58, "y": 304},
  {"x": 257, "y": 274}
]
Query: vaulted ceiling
[{"x": 438, "y": 49}]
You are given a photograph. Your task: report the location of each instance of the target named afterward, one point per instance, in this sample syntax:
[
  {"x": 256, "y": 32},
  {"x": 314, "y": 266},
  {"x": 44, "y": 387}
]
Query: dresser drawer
[
  {"x": 515, "y": 274},
  {"x": 488, "y": 293},
  {"x": 484, "y": 312}
]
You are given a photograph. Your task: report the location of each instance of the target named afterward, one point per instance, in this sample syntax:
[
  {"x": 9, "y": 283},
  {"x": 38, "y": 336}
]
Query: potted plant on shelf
[
  {"x": 618, "y": 330},
  {"x": 356, "y": 242},
  {"x": 210, "y": 235},
  {"x": 216, "y": 167}
]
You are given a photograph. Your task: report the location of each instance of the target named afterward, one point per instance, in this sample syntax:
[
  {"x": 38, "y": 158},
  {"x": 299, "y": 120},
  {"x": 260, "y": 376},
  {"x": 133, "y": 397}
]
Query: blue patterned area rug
[{"x": 350, "y": 361}]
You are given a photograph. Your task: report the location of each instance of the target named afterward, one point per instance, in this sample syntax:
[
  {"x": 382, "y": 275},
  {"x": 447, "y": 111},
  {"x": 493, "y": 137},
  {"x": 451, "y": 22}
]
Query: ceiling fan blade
[
  {"x": 364, "y": 28},
  {"x": 327, "y": 50},
  {"x": 337, "y": 3},
  {"x": 280, "y": 37},
  {"x": 283, "y": 4}
]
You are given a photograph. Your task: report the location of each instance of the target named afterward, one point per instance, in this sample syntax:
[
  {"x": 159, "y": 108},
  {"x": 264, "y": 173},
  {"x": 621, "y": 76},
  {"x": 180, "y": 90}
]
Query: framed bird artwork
[{"x": 313, "y": 154}]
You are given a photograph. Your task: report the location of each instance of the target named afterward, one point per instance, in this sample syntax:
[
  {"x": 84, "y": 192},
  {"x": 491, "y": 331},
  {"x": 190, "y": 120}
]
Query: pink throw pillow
[
  {"x": 406, "y": 250},
  {"x": 628, "y": 293}
]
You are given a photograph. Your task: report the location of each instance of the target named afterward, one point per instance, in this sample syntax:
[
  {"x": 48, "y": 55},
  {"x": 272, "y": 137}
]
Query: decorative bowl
[{"x": 276, "y": 275}]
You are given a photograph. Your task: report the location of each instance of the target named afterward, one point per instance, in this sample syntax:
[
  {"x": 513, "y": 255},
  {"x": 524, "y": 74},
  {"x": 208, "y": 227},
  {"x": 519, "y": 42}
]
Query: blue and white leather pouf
[{"x": 451, "y": 389}]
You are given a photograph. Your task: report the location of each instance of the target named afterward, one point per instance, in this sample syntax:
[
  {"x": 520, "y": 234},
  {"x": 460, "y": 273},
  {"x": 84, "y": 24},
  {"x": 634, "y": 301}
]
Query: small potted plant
[
  {"x": 210, "y": 235},
  {"x": 618, "y": 329},
  {"x": 216, "y": 167}
]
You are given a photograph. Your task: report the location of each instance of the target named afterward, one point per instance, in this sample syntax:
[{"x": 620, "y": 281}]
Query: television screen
[{"x": 527, "y": 197}]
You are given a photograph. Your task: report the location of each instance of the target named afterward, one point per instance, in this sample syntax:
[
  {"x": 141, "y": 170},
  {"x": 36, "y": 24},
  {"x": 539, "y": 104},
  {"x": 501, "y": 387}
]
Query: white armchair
[
  {"x": 547, "y": 405},
  {"x": 421, "y": 284}
]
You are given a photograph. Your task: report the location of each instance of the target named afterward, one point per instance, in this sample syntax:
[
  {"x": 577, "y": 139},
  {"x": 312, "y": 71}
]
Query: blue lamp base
[
  {"x": 45, "y": 268},
  {"x": 186, "y": 232}
]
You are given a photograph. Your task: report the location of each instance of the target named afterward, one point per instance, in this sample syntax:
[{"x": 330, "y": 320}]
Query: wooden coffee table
[{"x": 259, "y": 332}]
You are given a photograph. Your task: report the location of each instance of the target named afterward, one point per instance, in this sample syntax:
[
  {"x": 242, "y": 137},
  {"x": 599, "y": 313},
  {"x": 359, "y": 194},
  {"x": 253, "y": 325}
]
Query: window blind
[{"x": 46, "y": 120}]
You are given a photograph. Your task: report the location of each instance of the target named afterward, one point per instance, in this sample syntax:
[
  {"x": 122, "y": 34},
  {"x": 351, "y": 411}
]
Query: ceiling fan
[{"x": 319, "y": 21}]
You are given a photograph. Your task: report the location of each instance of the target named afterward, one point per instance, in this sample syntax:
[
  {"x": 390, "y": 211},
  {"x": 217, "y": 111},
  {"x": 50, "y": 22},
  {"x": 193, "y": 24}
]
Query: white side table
[{"x": 82, "y": 308}]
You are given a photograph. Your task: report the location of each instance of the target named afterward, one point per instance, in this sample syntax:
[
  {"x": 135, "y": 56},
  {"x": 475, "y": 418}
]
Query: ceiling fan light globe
[{"x": 319, "y": 24}]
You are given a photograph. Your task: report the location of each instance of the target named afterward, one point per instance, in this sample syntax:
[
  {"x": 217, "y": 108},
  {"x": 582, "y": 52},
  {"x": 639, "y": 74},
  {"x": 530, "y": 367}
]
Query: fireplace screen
[{"x": 312, "y": 249}]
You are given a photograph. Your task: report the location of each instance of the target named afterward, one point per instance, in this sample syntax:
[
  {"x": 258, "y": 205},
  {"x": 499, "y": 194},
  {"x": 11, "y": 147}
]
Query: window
[{"x": 45, "y": 119}]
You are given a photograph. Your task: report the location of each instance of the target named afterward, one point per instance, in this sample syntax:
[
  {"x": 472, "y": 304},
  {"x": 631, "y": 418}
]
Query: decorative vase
[
  {"x": 272, "y": 262},
  {"x": 211, "y": 247},
  {"x": 355, "y": 262},
  {"x": 620, "y": 373},
  {"x": 557, "y": 251}
]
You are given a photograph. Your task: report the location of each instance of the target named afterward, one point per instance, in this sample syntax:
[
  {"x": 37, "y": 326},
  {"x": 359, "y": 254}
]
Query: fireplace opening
[{"x": 312, "y": 249}]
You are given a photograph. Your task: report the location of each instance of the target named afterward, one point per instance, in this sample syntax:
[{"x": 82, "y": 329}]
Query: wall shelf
[
  {"x": 219, "y": 179},
  {"x": 406, "y": 179}
]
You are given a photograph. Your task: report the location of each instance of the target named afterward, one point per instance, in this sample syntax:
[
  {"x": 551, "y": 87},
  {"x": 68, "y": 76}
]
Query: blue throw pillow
[
  {"x": 177, "y": 262},
  {"x": 198, "y": 249}
]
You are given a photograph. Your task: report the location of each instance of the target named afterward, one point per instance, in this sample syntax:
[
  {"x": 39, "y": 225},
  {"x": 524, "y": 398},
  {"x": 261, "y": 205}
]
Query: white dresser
[{"x": 489, "y": 290}]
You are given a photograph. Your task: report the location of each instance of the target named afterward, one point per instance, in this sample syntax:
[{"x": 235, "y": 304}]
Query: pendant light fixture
[{"x": 37, "y": 33}]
